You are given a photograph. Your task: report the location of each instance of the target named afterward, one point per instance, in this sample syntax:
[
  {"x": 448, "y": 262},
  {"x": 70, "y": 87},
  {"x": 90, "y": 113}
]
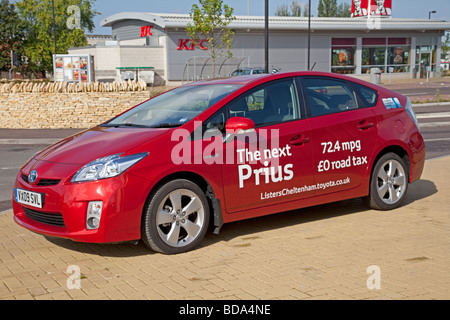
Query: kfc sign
[
  {"x": 146, "y": 31},
  {"x": 380, "y": 7},
  {"x": 188, "y": 44},
  {"x": 365, "y": 8},
  {"x": 359, "y": 8}
]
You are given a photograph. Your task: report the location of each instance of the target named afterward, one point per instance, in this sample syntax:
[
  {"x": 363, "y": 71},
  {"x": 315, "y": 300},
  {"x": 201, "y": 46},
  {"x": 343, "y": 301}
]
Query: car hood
[{"x": 95, "y": 143}]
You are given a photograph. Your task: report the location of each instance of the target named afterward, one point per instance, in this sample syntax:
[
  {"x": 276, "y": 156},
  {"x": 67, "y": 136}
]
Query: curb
[
  {"x": 5, "y": 212},
  {"x": 429, "y": 104},
  {"x": 30, "y": 141}
]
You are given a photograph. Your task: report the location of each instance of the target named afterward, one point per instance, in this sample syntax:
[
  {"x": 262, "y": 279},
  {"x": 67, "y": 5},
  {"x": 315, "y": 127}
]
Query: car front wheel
[
  {"x": 176, "y": 217},
  {"x": 389, "y": 183}
]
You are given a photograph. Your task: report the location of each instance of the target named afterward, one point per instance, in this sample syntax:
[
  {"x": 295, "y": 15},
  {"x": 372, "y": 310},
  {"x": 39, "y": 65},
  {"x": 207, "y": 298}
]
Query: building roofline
[
  {"x": 144, "y": 16},
  {"x": 167, "y": 20}
]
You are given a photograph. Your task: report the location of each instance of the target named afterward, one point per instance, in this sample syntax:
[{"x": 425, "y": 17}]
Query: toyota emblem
[{"x": 32, "y": 176}]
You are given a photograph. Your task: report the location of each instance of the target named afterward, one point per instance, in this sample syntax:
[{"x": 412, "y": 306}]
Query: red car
[{"x": 212, "y": 152}]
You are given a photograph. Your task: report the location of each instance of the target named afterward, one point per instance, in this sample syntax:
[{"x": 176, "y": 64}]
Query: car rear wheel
[
  {"x": 175, "y": 218},
  {"x": 389, "y": 183}
]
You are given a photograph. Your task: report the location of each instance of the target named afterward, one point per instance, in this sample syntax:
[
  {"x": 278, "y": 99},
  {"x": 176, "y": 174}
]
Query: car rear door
[{"x": 343, "y": 133}]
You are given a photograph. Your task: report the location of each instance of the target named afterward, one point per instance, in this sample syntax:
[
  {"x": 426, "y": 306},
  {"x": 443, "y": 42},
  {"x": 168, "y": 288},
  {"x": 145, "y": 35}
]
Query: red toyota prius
[{"x": 212, "y": 152}]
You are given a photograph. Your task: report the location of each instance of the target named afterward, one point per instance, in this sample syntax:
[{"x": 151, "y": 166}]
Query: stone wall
[{"x": 27, "y": 110}]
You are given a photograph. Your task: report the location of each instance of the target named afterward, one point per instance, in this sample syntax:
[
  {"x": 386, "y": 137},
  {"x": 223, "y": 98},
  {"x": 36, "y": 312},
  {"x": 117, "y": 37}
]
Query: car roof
[
  {"x": 248, "y": 79},
  {"x": 241, "y": 80}
]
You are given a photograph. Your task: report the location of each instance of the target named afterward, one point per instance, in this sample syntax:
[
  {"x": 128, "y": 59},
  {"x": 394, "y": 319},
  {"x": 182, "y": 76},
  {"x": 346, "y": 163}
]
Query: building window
[
  {"x": 385, "y": 53},
  {"x": 373, "y": 54},
  {"x": 343, "y": 55},
  {"x": 398, "y": 54}
]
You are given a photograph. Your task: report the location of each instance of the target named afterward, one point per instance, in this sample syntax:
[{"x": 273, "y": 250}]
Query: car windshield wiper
[
  {"x": 135, "y": 125},
  {"x": 167, "y": 125},
  {"x": 122, "y": 125}
]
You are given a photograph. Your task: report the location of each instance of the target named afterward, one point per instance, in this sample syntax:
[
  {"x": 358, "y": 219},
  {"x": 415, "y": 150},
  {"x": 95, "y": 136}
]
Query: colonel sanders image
[
  {"x": 358, "y": 10},
  {"x": 380, "y": 9}
]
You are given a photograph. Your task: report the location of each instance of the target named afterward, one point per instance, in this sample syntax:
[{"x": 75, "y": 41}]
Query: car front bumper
[{"x": 64, "y": 211}]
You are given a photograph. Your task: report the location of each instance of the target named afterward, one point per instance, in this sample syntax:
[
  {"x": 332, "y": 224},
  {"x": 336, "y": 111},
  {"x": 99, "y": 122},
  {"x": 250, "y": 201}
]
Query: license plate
[{"x": 29, "y": 198}]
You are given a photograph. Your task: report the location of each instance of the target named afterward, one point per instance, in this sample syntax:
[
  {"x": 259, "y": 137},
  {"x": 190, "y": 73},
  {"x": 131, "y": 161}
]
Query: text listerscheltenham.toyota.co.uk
[{"x": 305, "y": 188}]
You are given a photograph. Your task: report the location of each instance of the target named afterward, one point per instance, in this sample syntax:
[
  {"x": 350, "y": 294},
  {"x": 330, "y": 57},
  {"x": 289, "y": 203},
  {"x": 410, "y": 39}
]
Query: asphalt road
[
  {"x": 430, "y": 89},
  {"x": 434, "y": 121},
  {"x": 12, "y": 159},
  {"x": 435, "y": 127}
]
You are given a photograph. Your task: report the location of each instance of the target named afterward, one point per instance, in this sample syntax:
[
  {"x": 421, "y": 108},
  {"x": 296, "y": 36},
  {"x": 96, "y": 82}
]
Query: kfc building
[{"x": 369, "y": 39}]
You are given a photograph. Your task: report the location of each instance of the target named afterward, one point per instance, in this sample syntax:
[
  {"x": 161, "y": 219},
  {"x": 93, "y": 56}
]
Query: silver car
[{"x": 247, "y": 71}]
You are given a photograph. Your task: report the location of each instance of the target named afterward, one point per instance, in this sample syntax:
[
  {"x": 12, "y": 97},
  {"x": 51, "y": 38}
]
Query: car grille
[
  {"x": 48, "y": 182},
  {"x": 42, "y": 182},
  {"x": 52, "y": 219}
]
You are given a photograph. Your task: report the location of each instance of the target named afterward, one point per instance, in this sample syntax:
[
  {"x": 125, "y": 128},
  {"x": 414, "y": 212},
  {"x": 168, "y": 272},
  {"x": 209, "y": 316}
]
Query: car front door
[
  {"x": 272, "y": 164},
  {"x": 343, "y": 134}
]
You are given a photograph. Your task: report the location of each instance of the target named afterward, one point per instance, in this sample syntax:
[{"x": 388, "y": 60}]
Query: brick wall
[{"x": 64, "y": 110}]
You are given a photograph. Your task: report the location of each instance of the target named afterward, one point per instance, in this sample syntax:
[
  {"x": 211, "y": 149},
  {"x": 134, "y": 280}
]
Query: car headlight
[{"x": 107, "y": 167}]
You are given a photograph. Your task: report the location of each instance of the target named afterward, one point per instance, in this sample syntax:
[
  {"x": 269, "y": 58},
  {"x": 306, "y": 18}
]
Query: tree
[
  {"x": 11, "y": 33},
  {"x": 210, "y": 22},
  {"x": 344, "y": 10},
  {"x": 295, "y": 10},
  {"x": 330, "y": 8},
  {"x": 327, "y": 8},
  {"x": 306, "y": 11},
  {"x": 72, "y": 18},
  {"x": 282, "y": 10}
]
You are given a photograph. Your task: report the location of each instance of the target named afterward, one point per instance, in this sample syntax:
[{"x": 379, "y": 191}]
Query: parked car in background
[{"x": 247, "y": 71}]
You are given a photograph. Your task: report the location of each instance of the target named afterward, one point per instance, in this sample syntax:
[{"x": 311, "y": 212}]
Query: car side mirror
[{"x": 236, "y": 126}]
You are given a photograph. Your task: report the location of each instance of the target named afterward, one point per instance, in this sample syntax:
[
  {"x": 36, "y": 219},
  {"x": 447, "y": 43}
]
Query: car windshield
[{"x": 173, "y": 108}]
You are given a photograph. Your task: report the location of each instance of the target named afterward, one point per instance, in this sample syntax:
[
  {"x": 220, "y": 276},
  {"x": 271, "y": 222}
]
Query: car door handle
[
  {"x": 299, "y": 140},
  {"x": 364, "y": 125}
]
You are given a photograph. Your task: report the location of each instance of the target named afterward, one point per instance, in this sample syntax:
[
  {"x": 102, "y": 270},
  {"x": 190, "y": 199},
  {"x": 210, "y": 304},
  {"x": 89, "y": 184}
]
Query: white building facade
[{"x": 403, "y": 47}]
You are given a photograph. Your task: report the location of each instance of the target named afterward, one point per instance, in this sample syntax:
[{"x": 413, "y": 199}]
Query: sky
[{"x": 400, "y": 8}]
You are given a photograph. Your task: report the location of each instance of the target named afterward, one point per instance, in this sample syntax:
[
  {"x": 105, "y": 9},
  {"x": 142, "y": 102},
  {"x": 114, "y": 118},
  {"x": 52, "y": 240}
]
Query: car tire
[
  {"x": 388, "y": 184},
  {"x": 176, "y": 217}
]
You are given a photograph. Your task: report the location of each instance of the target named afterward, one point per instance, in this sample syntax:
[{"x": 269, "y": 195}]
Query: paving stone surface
[{"x": 334, "y": 251}]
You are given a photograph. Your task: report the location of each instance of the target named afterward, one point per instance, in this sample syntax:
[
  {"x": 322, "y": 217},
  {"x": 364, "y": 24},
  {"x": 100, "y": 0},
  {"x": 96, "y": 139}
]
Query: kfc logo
[
  {"x": 146, "y": 31},
  {"x": 190, "y": 44},
  {"x": 381, "y": 8},
  {"x": 359, "y": 8}
]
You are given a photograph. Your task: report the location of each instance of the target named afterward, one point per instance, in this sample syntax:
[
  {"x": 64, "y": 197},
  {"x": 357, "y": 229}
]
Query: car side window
[
  {"x": 216, "y": 122},
  {"x": 368, "y": 95},
  {"x": 268, "y": 104},
  {"x": 327, "y": 96}
]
